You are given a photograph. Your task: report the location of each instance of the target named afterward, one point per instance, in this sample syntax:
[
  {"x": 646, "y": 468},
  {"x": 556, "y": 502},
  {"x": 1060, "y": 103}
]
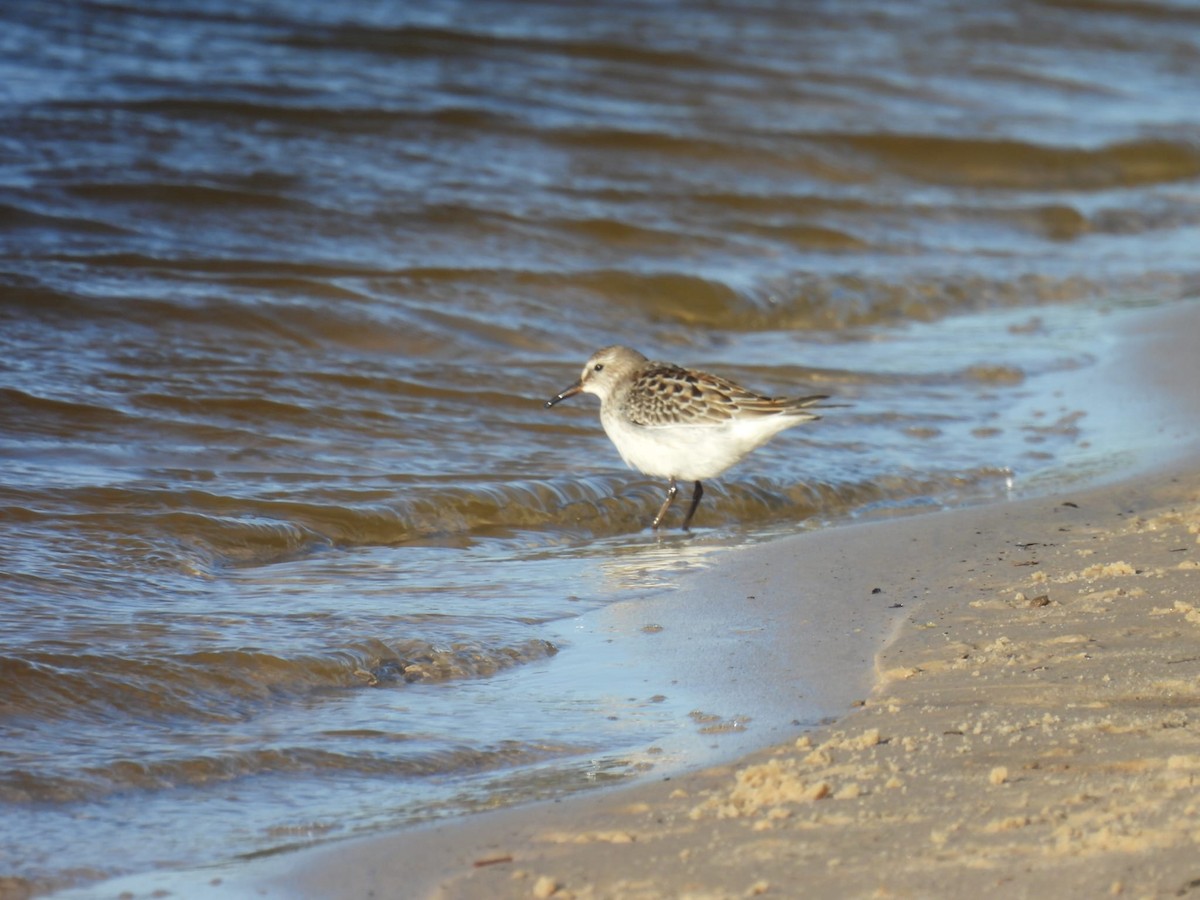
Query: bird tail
[{"x": 810, "y": 402}]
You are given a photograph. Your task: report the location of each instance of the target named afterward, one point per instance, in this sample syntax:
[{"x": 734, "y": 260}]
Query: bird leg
[
  {"x": 697, "y": 493},
  {"x": 671, "y": 492}
]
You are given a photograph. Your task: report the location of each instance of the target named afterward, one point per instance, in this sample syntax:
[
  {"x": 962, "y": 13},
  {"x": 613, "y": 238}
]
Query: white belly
[{"x": 689, "y": 452}]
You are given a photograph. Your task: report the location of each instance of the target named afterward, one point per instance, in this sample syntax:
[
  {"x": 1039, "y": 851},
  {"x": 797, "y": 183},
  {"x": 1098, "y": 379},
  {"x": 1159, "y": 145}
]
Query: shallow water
[{"x": 289, "y": 546}]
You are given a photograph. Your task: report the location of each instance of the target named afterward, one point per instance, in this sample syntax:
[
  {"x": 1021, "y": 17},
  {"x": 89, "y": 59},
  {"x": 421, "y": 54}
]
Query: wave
[
  {"x": 192, "y": 531},
  {"x": 187, "y": 195},
  {"x": 233, "y": 685},
  {"x": 21, "y": 786},
  {"x": 288, "y": 111},
  {"x": 1019, "y": 165},
  {"x": 13, "y": 217},
  {"x": 35, "y": 415},
  {"x": 419, "y": 41}
]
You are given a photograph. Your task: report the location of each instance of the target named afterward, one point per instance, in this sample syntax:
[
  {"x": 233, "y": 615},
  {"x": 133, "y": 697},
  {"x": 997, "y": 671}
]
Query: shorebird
[{"x": 672, "y": 422}]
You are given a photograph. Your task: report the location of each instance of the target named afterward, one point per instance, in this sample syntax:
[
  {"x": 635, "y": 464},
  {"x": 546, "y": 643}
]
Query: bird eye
[{"x": 598, "y": 367}]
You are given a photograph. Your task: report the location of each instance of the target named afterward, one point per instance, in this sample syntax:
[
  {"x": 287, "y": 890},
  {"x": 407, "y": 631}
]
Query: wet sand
[{"x": 1032, "y": 728}]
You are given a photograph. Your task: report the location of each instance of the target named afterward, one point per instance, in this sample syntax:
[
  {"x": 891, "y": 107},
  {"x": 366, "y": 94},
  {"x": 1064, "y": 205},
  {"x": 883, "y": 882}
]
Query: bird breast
[{"x": 688, "y": 452}]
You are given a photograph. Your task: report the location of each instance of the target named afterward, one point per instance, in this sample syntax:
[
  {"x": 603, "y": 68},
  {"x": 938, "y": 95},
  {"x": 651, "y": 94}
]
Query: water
[{"x": 290, "y": 548}]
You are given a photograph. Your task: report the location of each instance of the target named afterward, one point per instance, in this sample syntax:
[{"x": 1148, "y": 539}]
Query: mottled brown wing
[{"x": 670, "y": 395}]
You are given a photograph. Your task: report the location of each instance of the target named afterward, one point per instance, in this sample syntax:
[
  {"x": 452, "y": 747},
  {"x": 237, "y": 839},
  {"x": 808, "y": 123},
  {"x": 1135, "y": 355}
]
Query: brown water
[{"x": 289, "y": 548}]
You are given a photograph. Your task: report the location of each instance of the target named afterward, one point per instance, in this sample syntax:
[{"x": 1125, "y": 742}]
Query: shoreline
[
  {"x": 1028, "y": 729},
  {"x": 1027, "y": 726}
]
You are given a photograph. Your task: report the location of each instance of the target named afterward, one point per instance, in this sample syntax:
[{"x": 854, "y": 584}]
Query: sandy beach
[{"x": 1031, "y": 728}]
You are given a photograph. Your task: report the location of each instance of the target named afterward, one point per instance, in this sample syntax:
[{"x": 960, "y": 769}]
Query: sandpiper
[{"x": 671, "y": 422}]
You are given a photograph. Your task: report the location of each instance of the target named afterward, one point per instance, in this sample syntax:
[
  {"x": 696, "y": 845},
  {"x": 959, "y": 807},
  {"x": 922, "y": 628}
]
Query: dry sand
[{"x": 1033, "y": 729}]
